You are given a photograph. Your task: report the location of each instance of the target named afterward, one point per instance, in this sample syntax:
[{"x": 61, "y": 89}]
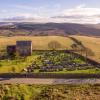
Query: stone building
[{"x": 24, "y": 48}]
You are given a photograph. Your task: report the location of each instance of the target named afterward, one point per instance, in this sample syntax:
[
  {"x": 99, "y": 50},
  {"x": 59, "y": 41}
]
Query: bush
[{"x": 54, "y": 45}]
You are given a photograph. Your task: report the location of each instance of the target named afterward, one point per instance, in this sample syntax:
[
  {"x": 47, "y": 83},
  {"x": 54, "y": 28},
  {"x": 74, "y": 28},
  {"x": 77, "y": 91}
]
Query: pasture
[
  {"x": 92, "y": 43},
  {"x": 47, "y": 62},
  {"x": 39, "y": 42}
]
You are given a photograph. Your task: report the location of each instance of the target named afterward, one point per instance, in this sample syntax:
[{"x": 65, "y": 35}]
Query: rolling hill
[
  {"x": 88, "y": 34},
  {"x": 61, "y": 29},
  {"x": 39, "y": 42},
  {"x": 92, "y": 43}
]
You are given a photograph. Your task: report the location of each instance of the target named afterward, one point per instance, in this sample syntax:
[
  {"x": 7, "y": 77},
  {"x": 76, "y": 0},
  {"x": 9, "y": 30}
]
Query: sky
[{"x": 71, "y": 11}]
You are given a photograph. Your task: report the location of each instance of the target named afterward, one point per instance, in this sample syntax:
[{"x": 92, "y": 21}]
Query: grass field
[
  {"x": 39, "y": 42},
  {"x": 16, "y": 65},
  {"x": 91, "y": 42},
  {"x": 49, "y": 92}
]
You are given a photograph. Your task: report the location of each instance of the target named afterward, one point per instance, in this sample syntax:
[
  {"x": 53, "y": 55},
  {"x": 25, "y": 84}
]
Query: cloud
[
  {"x": 79, "y": 14},
  {"x": 86, "y": 11},
  {"x": 23, "y": 17}
]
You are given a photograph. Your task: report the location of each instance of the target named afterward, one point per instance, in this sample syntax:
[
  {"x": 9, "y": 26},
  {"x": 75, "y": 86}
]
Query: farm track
[{"x": 47, "y": 81}]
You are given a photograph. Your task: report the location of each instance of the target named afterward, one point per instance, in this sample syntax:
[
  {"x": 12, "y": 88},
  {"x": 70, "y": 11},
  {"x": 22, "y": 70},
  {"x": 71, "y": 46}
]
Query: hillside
[
  {"x": 44, "y": 43},
  {"x": 92, "y": 43},
  {"x": 61, "y": 29},
  {"x": 39, "y": 42}
]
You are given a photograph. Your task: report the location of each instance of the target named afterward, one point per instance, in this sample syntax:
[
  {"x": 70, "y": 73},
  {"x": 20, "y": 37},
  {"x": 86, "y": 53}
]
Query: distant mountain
[
  {"x": 68, "y": 28},
  {"x": 51, "y": 29},
  {"x": 97, "y": 26}
]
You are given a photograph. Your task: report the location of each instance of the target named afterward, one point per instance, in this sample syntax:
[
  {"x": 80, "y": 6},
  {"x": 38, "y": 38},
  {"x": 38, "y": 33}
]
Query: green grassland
[
  {"x": 49, "y": 92},
  {"x": 17, "y": 64}
]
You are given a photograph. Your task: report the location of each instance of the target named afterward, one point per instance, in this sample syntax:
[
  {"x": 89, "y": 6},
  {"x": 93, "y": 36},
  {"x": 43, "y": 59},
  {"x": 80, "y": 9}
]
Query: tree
[
  {"x": 74, "y": 46},
  {"x": 54, "y": 45}
]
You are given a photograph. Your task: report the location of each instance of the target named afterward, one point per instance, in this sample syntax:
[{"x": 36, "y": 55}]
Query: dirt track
[{"x": 47, "y": 81}]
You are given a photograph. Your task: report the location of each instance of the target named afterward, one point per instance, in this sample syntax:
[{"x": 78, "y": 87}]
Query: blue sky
[{"x": 61, "y": 10}]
